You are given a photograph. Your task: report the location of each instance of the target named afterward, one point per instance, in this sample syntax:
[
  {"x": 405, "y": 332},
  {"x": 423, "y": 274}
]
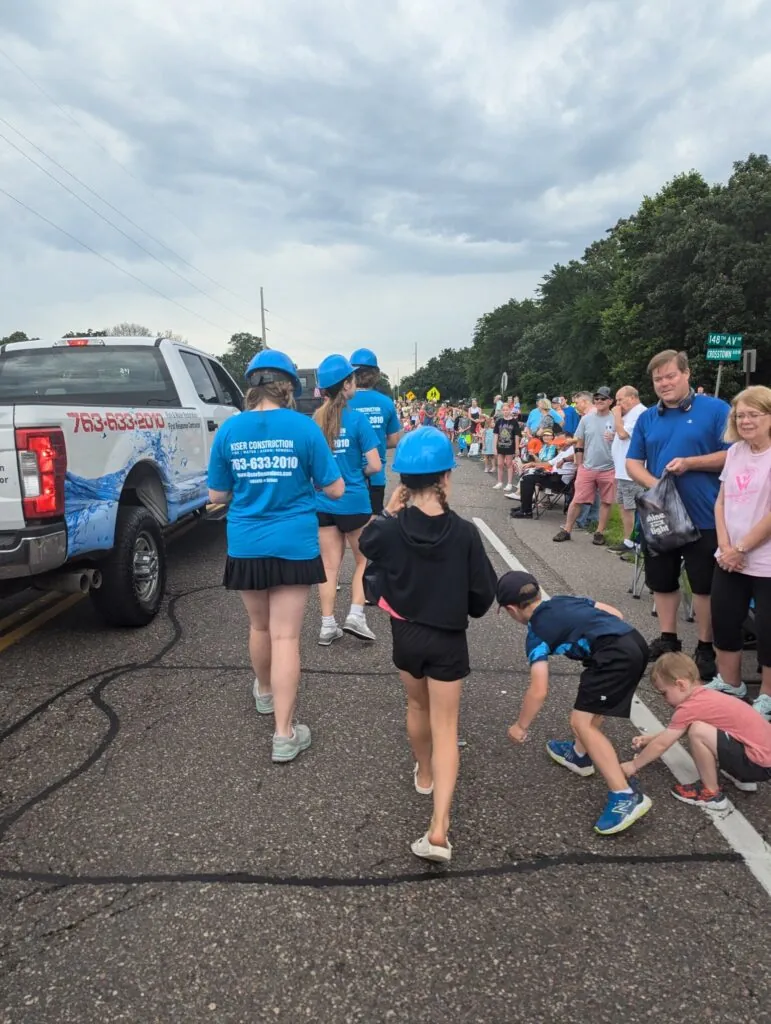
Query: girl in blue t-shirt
[
  {"x": 266, "y": 464},
  {"x": 354, "y": 445}
]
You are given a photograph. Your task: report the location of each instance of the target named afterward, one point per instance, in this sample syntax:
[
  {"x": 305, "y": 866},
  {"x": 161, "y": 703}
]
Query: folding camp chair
[
  {"x": 638, "y": 578},
  {"x": 546, "y": 500}
]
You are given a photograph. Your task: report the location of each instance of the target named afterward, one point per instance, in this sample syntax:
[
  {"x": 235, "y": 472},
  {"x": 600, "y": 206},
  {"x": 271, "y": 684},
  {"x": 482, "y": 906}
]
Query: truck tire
[{"x": 134, "y": 574}]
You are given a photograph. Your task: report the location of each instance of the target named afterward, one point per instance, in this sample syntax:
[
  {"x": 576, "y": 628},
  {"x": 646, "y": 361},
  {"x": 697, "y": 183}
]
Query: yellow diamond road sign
[
  {"x": 433, "y": 395},
  {"x": 410, "y": 396}
]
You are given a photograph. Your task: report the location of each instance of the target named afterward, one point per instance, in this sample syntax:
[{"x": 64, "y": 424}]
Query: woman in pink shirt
[{"x": 743, "y": 520}]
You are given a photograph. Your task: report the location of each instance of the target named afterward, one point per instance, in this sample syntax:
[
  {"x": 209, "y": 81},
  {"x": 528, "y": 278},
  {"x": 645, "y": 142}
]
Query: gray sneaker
[
  {"x": 286, "y": 748},
  {"x": 262, "y": 701},
  {"x": 357, "y": 626},
  {"x": 328, "y": 636}
]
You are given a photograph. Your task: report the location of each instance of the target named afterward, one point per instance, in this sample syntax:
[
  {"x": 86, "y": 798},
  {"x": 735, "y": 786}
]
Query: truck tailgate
[{"x": 11, "y": 512}]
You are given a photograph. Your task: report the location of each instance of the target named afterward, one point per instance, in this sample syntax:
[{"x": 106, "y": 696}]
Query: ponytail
[{"x": 329, "y": 416}]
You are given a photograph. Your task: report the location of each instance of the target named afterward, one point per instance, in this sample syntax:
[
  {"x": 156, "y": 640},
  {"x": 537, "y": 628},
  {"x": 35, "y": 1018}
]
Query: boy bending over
[
  {"x": 614, "y": 655},
  {"x": 723, "y": 733}
]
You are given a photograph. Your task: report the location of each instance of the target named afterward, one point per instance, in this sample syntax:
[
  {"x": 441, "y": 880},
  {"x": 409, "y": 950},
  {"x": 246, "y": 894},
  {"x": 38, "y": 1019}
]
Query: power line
[
  {"x": 120, "y": 213},
  {"x": 71, "y": 117},
  {"x": 112, "y": 263},
  {"x": 66, "y": 113},
  {"x": 120, "y": 230}
]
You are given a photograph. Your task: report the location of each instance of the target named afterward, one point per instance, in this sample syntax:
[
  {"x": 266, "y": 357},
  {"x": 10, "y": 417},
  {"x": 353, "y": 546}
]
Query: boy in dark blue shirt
[{"x": 614, "y": 655}]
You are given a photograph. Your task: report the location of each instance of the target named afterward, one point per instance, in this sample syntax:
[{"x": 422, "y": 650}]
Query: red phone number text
[{"x": 94, "y": 422}]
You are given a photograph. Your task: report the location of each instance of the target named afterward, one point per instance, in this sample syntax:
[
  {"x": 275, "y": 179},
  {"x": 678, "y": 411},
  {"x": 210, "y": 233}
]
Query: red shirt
[{"x": 731, "y": 715}]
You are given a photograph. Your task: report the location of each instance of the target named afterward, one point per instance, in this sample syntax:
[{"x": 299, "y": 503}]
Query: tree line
[{"x": 693, "y": 259}]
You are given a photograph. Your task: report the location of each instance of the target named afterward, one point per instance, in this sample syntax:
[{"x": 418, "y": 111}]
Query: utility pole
[{"x": 262, "y": 314}]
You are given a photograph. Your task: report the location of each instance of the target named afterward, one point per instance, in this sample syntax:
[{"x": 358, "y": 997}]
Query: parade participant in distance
[
  {"x": 626, "y": 413},
  {"x": 507, "y": 432},
  {"x": 264, "y": 464},
  {"x": 595, "y": 473},
  {"x": 682, "y": 434},
  {"x": 743, "y": 521},
  {"x": 354, "y": 445},
  {"x": 723, "y": 734},
  {"x": 434, "y": 573},
  {"x": 381, "y": 413},
  {"x": 614, "y": 657}
]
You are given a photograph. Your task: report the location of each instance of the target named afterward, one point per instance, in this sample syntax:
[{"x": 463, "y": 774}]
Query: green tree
[
  {"x": 86, "y": 334},
  {"x": 241, "y": 349},
  {"x": 129, "y": 330},
  {"x": 15, "y": 336}
]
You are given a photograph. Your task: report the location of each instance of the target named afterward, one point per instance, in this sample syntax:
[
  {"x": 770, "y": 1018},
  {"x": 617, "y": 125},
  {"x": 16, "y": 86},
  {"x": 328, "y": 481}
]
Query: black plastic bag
[
  {"x": 664, "y": 522},
  {"x": 373, "y": 583}
]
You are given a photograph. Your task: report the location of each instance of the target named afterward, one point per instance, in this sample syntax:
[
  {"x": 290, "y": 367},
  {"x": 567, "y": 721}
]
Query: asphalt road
[{"x": 155, "y": 866}]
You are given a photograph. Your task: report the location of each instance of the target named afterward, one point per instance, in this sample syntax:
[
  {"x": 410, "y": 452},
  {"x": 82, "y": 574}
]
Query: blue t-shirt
[
  {"x": 355, "y": 438},
  {"x": 270, "y": 461},
  {"x": 660, "y": 437},
  {"x": 572, "y": 419},
  {"x": 534, "y": 420},
  {"x": 569, "y": 626},
  {"x": 381, "y": 413}
]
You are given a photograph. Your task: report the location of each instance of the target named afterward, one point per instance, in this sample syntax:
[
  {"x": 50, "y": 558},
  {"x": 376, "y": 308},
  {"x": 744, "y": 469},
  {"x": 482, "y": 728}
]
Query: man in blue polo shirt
[
  {"x": 682, "y": 434},
  {"x": 381, "y": 413}
]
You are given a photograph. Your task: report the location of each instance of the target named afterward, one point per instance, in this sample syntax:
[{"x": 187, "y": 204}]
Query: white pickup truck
[{"x": 104, "y": 442}]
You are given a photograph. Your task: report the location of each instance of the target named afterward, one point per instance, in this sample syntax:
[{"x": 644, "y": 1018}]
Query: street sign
[
  {"x": 724, "y": 340},
  {"x": 504, "y": 381},
  {"x": 724, "y": 355},
  {"x": 433, "y": 395},
  {"x": 750, "y": 360},
  {"x": 410, "y": 396}
]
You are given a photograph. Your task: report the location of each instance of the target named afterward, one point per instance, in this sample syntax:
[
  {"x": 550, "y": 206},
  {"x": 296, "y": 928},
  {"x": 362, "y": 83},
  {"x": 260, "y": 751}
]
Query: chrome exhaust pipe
[{"x": 78, "y": 582}]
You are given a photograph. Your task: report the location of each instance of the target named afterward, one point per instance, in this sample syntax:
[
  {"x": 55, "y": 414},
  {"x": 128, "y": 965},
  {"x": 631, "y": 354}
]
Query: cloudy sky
[{"x": 388, "y": 170}]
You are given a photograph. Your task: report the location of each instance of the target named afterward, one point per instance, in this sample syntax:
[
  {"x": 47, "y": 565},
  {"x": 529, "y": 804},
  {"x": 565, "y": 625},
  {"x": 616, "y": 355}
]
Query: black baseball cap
[
  {"x": 517, "y": 588},
  {"x": 602, "y": 393}
]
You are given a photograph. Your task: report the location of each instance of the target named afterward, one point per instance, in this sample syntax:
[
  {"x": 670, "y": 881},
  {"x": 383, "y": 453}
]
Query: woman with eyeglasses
[{"x": 743, "y": 520}]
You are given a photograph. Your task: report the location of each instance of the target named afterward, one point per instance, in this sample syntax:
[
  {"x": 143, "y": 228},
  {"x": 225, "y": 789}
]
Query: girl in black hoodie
[{"x": 433, "y": 573}]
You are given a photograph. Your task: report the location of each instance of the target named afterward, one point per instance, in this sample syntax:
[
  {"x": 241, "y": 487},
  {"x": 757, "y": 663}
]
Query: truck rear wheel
[{"x": 134, "y": 575}]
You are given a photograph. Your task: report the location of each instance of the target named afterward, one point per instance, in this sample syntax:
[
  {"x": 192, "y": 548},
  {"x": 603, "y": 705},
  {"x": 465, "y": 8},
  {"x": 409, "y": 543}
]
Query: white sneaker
[
  {"x": 743, "y": 787},
  {"x": 719, "y": 684},
  {"x": 357, "y": 626},
  {"x": 762, "y": 704},
  {"x": 514, "y": 495},
  {"x": 498, "y": 487},
  {"x": 507, "y": 487},
  {"x": 328, "y": 636}
]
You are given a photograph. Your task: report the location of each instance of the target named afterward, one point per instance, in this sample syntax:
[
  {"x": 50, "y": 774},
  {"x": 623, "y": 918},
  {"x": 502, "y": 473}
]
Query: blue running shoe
[
  {"x": 621, "y": 811},
  {"x": 564, "y": 753}
]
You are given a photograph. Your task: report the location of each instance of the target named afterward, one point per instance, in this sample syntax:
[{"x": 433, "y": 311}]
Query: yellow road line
[
  {"x": 29, "y": 627},
  {"x": 27, "y": 609}
]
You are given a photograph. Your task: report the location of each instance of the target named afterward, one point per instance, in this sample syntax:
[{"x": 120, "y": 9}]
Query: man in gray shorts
[{"x": 626, "y": 412}]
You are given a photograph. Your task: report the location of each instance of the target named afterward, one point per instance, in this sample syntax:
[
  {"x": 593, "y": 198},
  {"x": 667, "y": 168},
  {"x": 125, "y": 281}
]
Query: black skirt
[{"x": 267, "y": 573}]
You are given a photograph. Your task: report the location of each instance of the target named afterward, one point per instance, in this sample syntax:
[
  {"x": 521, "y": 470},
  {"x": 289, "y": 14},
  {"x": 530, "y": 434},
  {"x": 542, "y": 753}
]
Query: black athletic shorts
[
  {"x": 732, "y": 758},
  {"x": 377, "y": 498},
  {"x": 662, "y": 572},
  {"x": 345, "y": 524},
  {"x": 612, "y": 674},
  {"x": 425, "y": 651}
]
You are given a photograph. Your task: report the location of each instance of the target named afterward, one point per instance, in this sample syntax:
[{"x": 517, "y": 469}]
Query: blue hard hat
[
  {"x": 271, "y": 359},
  {"x": 364, "y": 357},
  {"x": 333, "y": 370},
  {"x": 425, "y": 450}
]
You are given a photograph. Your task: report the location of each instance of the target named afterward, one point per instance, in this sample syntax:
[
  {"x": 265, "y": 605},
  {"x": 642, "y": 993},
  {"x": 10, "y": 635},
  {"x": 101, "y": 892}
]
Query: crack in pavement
[{"x": 106, "y": 677}]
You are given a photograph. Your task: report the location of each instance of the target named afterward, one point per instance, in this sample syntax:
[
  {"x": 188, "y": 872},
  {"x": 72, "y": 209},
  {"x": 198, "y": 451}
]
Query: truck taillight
[{"x": 42, "y": 469}]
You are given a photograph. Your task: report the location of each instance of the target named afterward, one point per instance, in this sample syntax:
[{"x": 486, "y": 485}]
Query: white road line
[{"x": 731, "y": 823}]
